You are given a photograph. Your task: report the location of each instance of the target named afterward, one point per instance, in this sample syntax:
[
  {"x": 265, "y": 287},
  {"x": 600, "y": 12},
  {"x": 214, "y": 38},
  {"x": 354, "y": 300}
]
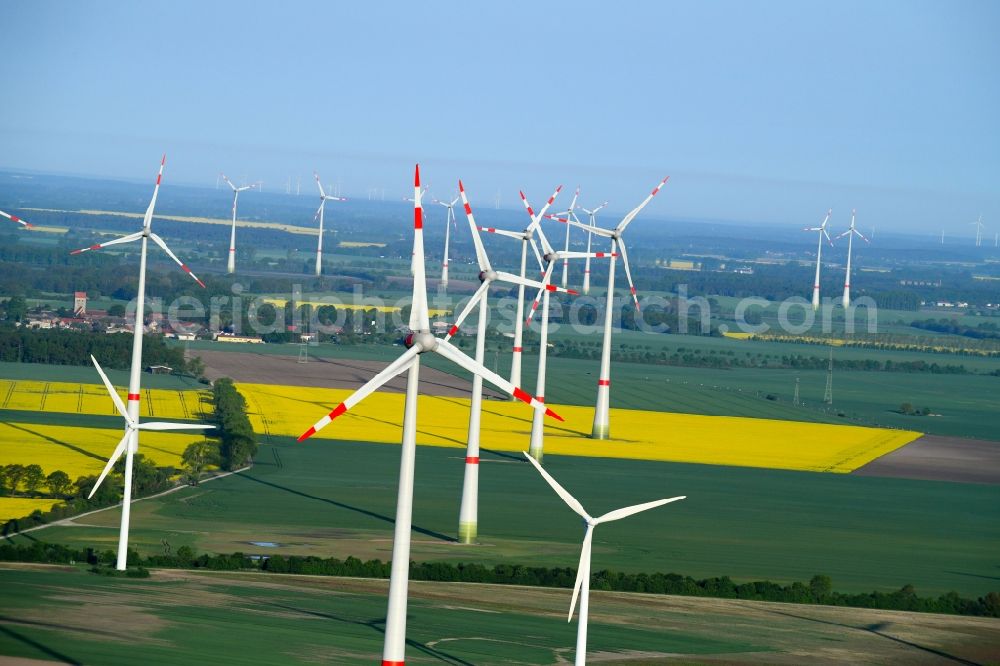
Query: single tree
[
  {"x": 33, "y": 478},
  {"x": 58, "y": 483},
  {"x": 15, "y": 475},
  {"x": 197, "y": 457}
]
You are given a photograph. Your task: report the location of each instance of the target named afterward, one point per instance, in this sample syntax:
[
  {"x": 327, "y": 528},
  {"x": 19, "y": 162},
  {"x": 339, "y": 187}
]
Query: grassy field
[
  {"x": 638, "y": 435},
  {"x": 67, "y": 616},
  {"x": 338, "y": 498},
  {"x": 86, "y": 374}
]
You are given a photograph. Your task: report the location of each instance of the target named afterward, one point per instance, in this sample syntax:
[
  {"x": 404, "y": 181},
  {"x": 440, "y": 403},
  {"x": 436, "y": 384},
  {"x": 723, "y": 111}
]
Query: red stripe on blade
[
  {"x": 338, "y": 410},
  {"x": 604, "y": 382},
  {"x": 453, "y": 330},
  {"x": 418, "y": 218},
  {"x": 521, "y": 395},
  {"x": 549, "y": 412},
  {"x": 306, "y": 435},
  {"x": 15, "y": 218}
]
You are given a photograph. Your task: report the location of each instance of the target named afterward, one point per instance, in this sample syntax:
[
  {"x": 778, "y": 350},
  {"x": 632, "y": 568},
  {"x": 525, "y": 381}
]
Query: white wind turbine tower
[
  {"x": 819, "y": 252},
  {"x": 602, "y": 422},
  {"x": 850, "y": 233},
  {"x": 231, "y": 262},
  {"x": 581, "y": 589},
  {"x": 129, "y": 443},
  {"x": 468, "y": 518},
  {"x": 449, "y": 221},
  {"x": 15, "y": 218},
  {"x": 323, "y": 198},
  {"x": 527, "y": 238},
  {"x": 419, "y": 341}
]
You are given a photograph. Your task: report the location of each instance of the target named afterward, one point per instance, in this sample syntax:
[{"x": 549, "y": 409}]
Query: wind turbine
[
  {"x": 15, "y": 218},
  {"x": 581, "y": 588},
  {"x": 978, "y": 224},
  {"x": 468, "y": 520},
  {"x": 819, "y": 252},
  {"x": 527, "y": 238},
  {"x": 850, "y": 233},
  {"x": 129, "y": 443},
  {"x": 592, "y": 222},
  {"x": 419, "y": 341},
  {"x": 449, "y": 221},
  {"x": 570, "y": 214},
  {"x": 551, "y": 257},
  {"x": 323, "y": 198},
  {"x": 602, "y": 424},
  {"x": 231, "y": 263}
]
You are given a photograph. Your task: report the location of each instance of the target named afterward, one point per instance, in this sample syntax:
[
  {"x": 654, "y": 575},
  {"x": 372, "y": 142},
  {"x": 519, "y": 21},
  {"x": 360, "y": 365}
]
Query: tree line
[
  {"x": 819, "y": 589},
  {"x": 72, "y": 347}
]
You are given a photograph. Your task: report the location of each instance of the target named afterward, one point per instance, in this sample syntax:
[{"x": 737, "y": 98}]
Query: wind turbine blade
[
  {"x": 635, "y": 211},
  {"x": 419, "y": 319},
  {"x": 165, "y": 425},
  {"x": 516, "y": 279},
  {"x": 592, "y": 229},
  {"x": 473, "y": 302},
  {"x": 119, "y": 450},
  {"x": 163, "y": 246},
  {"x": 861, "y": 236},
  {"x": 502, "y": 232},
  {"x": 399, "y": 365},
  {"x": 585, "y": 255},
  {"x": 583, "y": 569},
  {"x": 828, "y": 239},
  {"x": 603, "y": 205},
  {"x": 15, "y": 218},
  {"x": 147, "y": 219},
  {"x": 452, "y": 353},
  {"x": 562, "y": 492},
  {"x": 618, "y": 514},
  {"x": 319, "y": 184},
  {"x": 538, "y": 256},
  {"x": 117, "y": 241},
  {"x": 322, "y": 204},
  {"x": 628, "y": 272},
  {"x": 119, "y": 405},
  {"x": 481, "y": 257},
  {"x": 230, "y": 183},
  {"x": 547, "y": 276}
]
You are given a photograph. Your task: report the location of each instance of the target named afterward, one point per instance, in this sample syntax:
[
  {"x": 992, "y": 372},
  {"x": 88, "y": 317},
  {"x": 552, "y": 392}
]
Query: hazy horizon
[{"x": 759, "y": 112}]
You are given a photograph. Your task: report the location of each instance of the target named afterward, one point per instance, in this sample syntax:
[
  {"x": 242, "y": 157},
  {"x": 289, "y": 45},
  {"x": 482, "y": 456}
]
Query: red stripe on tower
[
  {"x": 471, "y": 460},
  {"x": 604, "y": 382},
  {"x": 133, "y": 397},
  {"x": 388, "y": 662},
  {"x": 518, "y": 350}
]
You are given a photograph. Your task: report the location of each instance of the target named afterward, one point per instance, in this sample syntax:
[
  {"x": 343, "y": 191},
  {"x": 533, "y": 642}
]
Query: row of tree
[
  {"x": 238, "y": 442},
  {"x": 70, "y": 347},
  {"x": 819, "y": 590},
  {"x": 33, "y": 479}
]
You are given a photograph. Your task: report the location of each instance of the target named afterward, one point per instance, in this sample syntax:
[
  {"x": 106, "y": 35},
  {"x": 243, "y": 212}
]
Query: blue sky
[{"x": 759, "y": 111}]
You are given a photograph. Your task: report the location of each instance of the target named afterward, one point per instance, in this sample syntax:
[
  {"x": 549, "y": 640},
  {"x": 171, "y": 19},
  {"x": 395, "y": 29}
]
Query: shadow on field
[
  {"x": 973, "y": 575},
  {"x": 526, "y": 420},
  {"x": 876, "y": 629},
  {"x": 53, "y": 440},
  {"x": 377, "y": 625},
  {"x": 30, "y": 642},
  {"x": 365, "y": 512}
]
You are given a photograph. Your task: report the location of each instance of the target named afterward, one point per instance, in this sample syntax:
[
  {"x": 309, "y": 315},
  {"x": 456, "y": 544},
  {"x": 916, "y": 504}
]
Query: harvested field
[
  {"x": 937, "y": 458},
  {"x": 251, "y": 368}
]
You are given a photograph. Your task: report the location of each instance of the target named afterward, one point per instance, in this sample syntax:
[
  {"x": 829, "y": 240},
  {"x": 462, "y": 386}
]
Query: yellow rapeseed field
[
  {"x": 642, "y": 435},
  {"x": 281, "y": 302},
  {"x": 72, "y": 398},
  {"x": 81, "y": 451},
  {"x": 19, "y": 507},
  {"x": 359, "y": 244}
]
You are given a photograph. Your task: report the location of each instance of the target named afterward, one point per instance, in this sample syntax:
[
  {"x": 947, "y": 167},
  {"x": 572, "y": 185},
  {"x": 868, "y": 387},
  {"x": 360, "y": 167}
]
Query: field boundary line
[{"x": 66, "y": 522}]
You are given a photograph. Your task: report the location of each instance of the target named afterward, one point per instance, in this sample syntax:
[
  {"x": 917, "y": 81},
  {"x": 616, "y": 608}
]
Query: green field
[
  {"x": 86, "y": 374},
  {"x": 338, "y": 499},
  {"x": 67, "y": 616}
]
